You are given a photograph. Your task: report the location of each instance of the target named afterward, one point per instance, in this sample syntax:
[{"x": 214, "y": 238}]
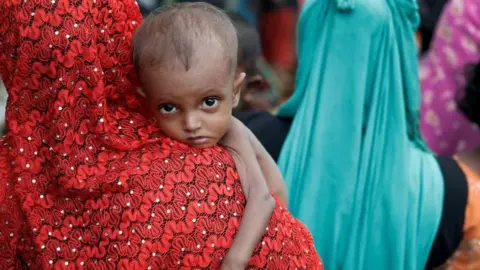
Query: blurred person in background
[
  {"x": 147, "y": 6},
  {"x": 455, "y": 46},
  {"x": 277, "y": 26},
  {"x": 256, "y": 93},
  {"x": 351, "y": 150},
  {"x": 467, "y": 256},
  {"x": 430, "y": 11}
]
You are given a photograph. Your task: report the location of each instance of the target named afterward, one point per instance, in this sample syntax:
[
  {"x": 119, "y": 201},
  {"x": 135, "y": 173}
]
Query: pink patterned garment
[{"x": 456, "y": 44}]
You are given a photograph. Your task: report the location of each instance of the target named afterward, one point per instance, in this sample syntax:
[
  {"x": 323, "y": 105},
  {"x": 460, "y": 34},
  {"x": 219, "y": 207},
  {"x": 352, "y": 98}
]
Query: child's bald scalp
[{"x": 171, "y": 33}]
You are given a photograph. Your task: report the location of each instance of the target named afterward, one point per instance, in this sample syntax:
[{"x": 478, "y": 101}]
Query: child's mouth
[{"x": 198, "y": 141}]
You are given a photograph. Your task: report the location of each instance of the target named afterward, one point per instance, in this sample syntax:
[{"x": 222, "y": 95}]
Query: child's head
[{"x": 186, "y": 58}]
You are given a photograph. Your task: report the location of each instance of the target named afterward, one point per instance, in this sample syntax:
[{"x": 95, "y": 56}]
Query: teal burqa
[{"x": 357, "y": 170}]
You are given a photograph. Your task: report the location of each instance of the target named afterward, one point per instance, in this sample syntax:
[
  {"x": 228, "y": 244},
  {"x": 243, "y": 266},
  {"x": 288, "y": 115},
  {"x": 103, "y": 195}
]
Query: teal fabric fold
[
  {"x": 356, "y": 167},
  {"x": 345, "y": 4}
]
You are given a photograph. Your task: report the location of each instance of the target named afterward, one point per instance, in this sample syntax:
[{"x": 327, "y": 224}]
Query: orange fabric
[
  {"x": 472, "y": 212},
  {"x": 467, "y": 255}
]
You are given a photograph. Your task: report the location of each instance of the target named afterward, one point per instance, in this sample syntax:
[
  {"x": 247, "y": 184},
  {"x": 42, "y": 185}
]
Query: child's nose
[{"x": 192, "y": 122}]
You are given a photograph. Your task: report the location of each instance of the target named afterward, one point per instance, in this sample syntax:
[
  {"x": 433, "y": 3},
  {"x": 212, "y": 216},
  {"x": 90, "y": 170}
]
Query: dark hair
[
  {"x": 430, "y": 13},
  {"x": 469, "y": 104},
  {"x": 248, "y": 41},
  {"x": 173, "y": 31}
]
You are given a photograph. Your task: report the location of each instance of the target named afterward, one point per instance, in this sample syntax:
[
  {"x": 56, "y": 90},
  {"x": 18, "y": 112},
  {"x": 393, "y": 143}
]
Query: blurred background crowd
[{"x": 267, "y": 31}]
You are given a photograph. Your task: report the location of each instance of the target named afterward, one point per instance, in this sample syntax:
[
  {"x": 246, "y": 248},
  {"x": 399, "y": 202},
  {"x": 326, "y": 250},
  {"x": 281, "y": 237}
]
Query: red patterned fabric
[{"x": 85, "y": 179}]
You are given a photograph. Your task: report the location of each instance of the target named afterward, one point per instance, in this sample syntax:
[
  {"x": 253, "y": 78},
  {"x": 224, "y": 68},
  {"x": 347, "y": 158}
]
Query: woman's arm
[{"x": 12, "y": 220}]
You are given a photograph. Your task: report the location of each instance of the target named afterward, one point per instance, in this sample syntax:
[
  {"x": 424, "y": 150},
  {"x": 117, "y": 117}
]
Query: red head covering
[{"x": 85, "y": 179}]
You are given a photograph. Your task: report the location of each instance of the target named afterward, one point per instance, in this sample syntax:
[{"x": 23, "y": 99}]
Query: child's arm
[
  {"x": 270, "y": 170},
  {"x": 260, "y": 204}
]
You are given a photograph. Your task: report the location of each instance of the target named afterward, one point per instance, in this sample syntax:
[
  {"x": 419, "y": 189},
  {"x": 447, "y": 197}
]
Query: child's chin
[{"x": 203, "y": 146}]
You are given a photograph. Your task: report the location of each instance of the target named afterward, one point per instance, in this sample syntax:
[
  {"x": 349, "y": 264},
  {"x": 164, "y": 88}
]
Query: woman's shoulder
[
  {"x": 462, "y": 184},
  {"x": 472, "y": 212}
]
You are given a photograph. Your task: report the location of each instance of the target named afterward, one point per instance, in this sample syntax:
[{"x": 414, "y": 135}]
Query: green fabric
[{"x": 357, "y": 170}]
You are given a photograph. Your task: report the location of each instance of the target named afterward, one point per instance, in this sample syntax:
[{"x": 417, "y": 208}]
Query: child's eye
[
  {"x": 168, "y": 108},
  {"x": 210, "y": 102}
]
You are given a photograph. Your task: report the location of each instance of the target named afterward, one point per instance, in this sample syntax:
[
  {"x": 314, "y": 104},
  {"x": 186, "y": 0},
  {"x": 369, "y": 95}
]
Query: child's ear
[{"x": 237, "y": 87}]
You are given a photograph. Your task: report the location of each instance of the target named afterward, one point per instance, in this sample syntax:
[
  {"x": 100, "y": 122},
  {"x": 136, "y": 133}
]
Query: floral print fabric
[{"x": 456, "y": 45}]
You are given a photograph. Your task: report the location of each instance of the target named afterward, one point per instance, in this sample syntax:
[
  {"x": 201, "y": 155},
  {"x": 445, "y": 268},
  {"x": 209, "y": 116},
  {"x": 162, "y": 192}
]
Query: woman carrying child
[{"x": 86, "y": 178}]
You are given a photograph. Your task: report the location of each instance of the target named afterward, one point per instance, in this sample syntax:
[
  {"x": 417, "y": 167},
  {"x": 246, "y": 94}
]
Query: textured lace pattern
[{"x": 86, "y": 181}]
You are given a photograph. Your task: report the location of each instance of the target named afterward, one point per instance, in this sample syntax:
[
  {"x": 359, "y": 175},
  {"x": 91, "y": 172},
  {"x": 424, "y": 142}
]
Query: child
[
  {"x": 186, "y": 58},
  {"x": 85, "y": 180},
  {"x": 255, "y": 94}
]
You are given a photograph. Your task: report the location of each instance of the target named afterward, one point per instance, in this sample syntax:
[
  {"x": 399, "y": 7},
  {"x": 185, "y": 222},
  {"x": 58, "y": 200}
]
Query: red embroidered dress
[{"x": 85, "y": 179}]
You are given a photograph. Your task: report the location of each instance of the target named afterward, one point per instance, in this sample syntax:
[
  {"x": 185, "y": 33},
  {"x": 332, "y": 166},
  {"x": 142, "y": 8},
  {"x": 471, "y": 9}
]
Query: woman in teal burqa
[{"x": 358, "y": 171}]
